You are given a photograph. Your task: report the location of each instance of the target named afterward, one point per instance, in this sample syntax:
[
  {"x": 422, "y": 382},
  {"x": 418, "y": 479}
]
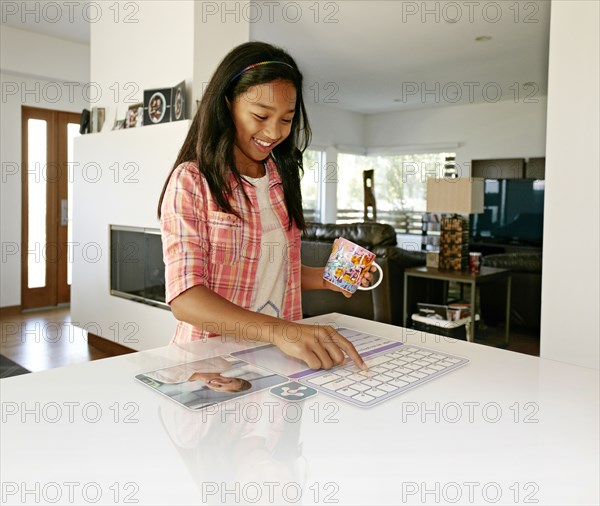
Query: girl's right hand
[{"x": 320, "y": 346}]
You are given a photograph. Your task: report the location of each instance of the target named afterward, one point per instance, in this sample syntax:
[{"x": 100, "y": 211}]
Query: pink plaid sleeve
[{"x": 183, "y": 232}]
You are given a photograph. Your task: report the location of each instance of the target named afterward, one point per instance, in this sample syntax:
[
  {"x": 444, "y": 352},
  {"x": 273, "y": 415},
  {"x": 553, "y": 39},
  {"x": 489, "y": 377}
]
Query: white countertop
[{"x": 506, "y": 429}]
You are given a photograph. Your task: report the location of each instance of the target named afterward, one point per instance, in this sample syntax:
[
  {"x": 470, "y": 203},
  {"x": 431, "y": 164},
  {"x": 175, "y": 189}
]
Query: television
[
  {"x": 513, "y": 212},
  {"x": 137, "y": 270}
]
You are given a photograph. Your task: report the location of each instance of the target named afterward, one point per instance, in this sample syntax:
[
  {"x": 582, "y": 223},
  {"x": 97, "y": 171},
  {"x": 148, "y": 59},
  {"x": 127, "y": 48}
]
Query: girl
[{"x": 231, "y": 213}]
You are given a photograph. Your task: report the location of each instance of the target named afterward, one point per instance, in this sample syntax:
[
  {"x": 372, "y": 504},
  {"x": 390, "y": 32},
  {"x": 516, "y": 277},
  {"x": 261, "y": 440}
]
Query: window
[
  {"x": 314, "y": 164},
  {"x": 399, "y": 187}
]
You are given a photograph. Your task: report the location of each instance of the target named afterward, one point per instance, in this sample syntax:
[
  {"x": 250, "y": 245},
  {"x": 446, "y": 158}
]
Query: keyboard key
[
  {"x": 415, "y": 374},
  {"x": 412, "y": 367},
  {"x": 319, "y": 380},
  {"x": 436, "y": 367},
  {"x": 375, "y": 392},
  {"x": 360, "y": 387},
  {"x": 439, "y": 357},
  {"x": 363, "y": 397},
  {"x": 389, "y": 365},
  {"x": 404, "y": 370},
  {"x": 348, "y": 392},
  {"x": 427, "y": 370},
  {"x": 422, "y": 363},
  {"x": 393, "y": 374},
  {"x": 426, "y": 353},
  {"x": 371, "y": 382},
  {"x": 398, "y": 383},
  {"x": 356, "y": 377},
  {"x": 398, "y": 362},
  {"x": 364, "y": 374},
  {"x": 373, "y": 362},
  {"x": 445, "y": 363},
  {"x": 388, "y": 387},
  {"x": 453, "y": 360},
  {"x": 379, "y": 369},
  {"x": 337, "y": 384},
  {"x": 430, "y": 360},
  {"x": 342, "y": 372},
  {"x": 368, "y": 374},
  {"x": 409, "y": 378},
  {"x": 383, "y": 378}
]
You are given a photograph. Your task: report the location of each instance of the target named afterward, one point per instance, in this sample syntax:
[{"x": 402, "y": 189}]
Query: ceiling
[
  {"x": 391, "y": 55},
  {"x": 57, "y": 19}
]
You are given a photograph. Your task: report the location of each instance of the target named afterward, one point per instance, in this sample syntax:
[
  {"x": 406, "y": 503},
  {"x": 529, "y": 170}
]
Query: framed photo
[
  {"x": 119, "y": 124},
  {"x": 135, "y": 116},
  {"x": 157, "y": 106},
  {"x": 98, "y": 115},
  {"x": 178, "y": 102}
]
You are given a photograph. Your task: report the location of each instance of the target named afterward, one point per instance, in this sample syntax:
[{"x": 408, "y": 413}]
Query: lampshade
[{"x": 458, "y": 195}]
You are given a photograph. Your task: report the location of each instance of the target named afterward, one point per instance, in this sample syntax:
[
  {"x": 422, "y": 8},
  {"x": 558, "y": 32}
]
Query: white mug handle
[{"x": 371, "y": 287}]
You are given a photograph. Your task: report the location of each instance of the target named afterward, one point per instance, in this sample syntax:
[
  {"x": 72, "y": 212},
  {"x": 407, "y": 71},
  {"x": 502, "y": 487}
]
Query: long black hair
[{"x": 211, "y": 137}]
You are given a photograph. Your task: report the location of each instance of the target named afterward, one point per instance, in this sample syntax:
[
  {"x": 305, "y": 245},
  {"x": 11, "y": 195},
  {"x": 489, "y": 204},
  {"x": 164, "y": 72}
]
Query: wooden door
[{"x": 47, "y": 140}]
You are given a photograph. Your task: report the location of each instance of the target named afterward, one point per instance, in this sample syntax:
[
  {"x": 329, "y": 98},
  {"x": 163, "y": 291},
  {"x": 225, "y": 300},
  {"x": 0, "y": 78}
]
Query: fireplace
[{"x": 137, "y": 270}]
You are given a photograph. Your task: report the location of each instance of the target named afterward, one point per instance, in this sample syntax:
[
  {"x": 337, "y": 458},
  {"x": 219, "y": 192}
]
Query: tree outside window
[{"x": 399, "y": 184}]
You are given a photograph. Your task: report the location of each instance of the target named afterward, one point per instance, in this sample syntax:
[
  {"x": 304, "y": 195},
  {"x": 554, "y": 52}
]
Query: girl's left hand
[{"x": 365, "y": 281}]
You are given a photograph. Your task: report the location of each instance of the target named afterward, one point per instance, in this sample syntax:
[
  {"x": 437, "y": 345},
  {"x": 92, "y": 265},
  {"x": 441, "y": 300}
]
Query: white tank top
[{"x": 272, "y": 265}]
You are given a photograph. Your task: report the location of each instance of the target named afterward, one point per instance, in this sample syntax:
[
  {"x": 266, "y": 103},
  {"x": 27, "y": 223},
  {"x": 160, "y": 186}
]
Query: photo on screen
[{"x": 197, "y": 385}]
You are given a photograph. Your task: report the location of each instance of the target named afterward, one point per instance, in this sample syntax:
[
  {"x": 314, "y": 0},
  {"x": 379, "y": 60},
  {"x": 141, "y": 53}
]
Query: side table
[{"x": 486, "y": 274}]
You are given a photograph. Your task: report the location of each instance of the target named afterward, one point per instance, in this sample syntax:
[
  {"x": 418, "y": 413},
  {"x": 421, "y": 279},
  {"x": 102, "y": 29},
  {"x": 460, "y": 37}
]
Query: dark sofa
[{"x": 384, "y": 303}]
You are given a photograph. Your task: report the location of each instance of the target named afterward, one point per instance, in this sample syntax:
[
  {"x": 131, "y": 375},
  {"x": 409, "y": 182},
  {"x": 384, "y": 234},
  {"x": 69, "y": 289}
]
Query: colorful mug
[{"x": 347, "y": 265}]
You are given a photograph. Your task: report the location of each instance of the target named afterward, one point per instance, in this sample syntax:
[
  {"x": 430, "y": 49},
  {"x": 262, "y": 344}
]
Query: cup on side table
[{"x": 475, "y": 263}]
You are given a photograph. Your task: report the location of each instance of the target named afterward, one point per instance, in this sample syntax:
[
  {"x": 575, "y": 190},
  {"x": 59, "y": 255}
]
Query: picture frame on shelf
[
  {"x": 157, "y": 106},
  {"x": 178, "y": 102},
  {"x": 84, "y": 122},
  {"x": 135, "y": 116},
  {"x": 97, "y": 119}
]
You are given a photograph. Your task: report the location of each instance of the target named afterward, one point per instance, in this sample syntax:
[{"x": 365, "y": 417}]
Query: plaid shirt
[{"x": 204, "y": 246}]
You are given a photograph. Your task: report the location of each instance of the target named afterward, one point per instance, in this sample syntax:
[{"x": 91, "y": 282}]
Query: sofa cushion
[
  {"x": 367, "y": 234},
  {"x": 515, "y": 262}
]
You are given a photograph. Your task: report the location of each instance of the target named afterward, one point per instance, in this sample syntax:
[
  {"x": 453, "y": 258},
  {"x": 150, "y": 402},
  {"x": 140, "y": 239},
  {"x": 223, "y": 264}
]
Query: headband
[{"x": 256, "y": 65}]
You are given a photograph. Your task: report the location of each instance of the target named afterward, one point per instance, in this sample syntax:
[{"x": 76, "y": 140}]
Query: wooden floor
[
  {"x": 47, "y": 339},
  {"x": 44, "y": 340}
]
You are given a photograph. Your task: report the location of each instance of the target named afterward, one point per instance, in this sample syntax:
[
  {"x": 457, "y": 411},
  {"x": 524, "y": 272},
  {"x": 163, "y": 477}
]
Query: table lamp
[{"x": 460, "y": 197}]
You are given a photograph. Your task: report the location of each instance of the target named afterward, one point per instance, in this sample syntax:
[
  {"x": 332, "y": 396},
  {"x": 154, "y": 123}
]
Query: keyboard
[{"x": 394, "y": 368}]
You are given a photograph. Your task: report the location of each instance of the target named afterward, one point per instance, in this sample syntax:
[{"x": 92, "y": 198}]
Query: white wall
[
  {"x": 118, "y": 181},
  {"x": 30, "y": 75},
  {"x": 335, "y": 127},
  {"x": 169, "y": 44},
  {"x": 477, "y": 131},
  {"x": 503, "y": 129},
  {"x": 155, "y": 52},
  {"x": 39, "y": 55},
  {"x": 332, "y": 130},
  {"x": 570, "y": 288},
  {"x": 215, "y": 34}
]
